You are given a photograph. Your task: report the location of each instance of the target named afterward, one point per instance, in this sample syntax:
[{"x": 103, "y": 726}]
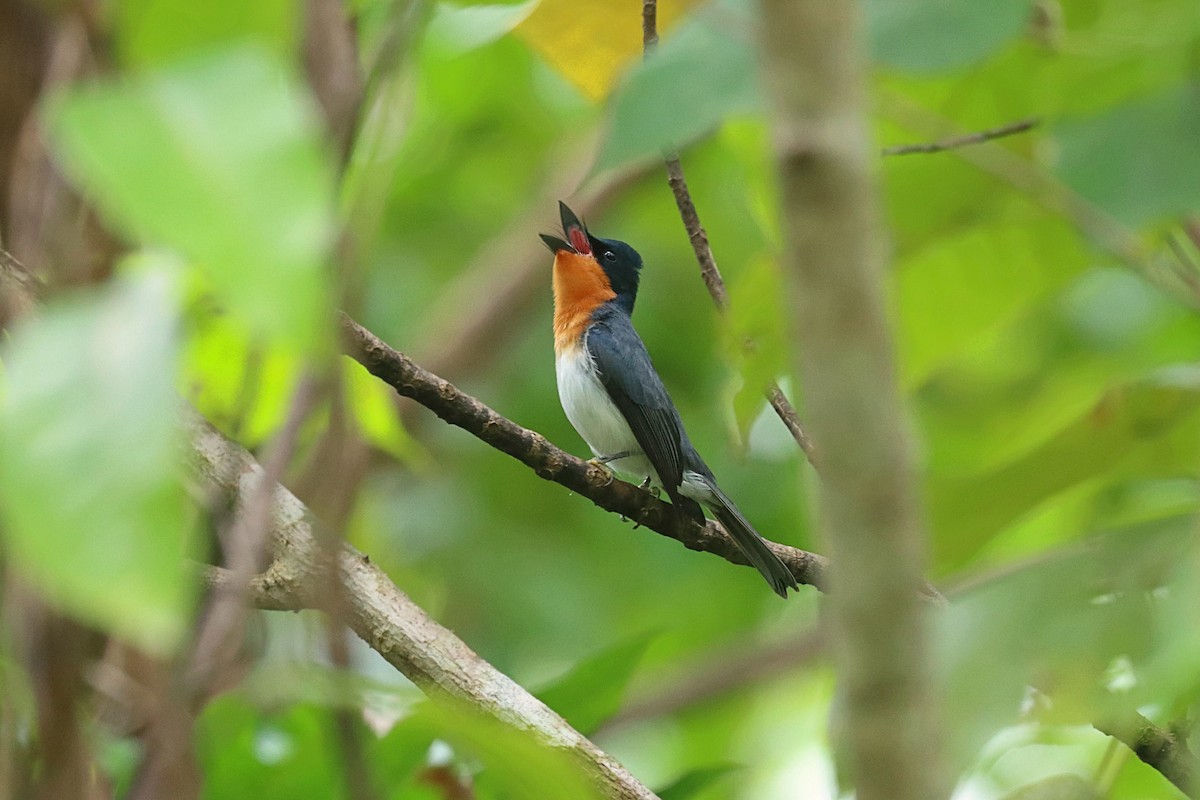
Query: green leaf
[
  {"x": 220, "y": 157},
  {"x": 455, "y": 29},
  {"x": 962, "y": 287},
  {"x": 756, "y": 315},
  {"x": 95, "y": 515},
  {"x": 592, "y": 690},
  {"x": 700, "y": 75},
  {"x": 1057, "y": 623},
  {"x": 1138, "y": 161},
  {"x": 150, "y": 32},
  {"x": 1133, "y": 431},
  {"x": 373, "y": 404},
  {"x": 696, "y": 781},
  {"x": 936, "y": 35}
]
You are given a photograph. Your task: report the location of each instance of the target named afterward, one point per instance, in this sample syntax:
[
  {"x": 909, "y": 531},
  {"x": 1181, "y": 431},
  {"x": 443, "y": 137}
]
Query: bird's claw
[
  {"x": 654, "y": 490},
  {"x": 605, "y": 470}
]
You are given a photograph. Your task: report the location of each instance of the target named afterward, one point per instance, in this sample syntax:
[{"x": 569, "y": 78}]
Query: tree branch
[
  {"x": 955, "y": 142},
  {"x": 1157, "y": 747},
  {"x": 709, "y": 271},
  {"x": 553, "y": 464},
  {"x": 869, "y": 509},
  {"x": 428, "y": 654}
]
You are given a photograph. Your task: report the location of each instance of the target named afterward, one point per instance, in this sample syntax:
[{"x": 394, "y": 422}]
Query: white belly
[{"x": 593, "y": 414}]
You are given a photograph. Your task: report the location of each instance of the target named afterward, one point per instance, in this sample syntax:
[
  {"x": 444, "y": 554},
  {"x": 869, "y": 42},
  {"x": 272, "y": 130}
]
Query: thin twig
[
  {"x": 965, "y": 140},
  {"x": 709, "y": 272}
]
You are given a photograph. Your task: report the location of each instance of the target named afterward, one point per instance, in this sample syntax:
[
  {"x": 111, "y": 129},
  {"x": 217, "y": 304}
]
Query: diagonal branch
[
  {"x": 553, "y": 464},
  {"x": 428, "y": 654}
]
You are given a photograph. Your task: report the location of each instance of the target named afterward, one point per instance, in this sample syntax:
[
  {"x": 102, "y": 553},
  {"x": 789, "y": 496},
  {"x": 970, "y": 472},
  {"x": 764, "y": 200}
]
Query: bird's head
[{"x": 619, "y": 262}]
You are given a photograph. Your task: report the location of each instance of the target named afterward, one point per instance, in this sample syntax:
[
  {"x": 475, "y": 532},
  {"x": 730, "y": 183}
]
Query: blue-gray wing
[{"x": 633, "y": 384}]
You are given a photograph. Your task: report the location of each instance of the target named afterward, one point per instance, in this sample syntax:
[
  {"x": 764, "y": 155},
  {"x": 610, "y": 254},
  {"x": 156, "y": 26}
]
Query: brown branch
[
  {"x": 552, "y": 464},
  {"x": 1159, "y": 748},
  {"x": 709, "y": 272},
  {"x": 428, "y": 654},
  {"x": 870, "y": 512},
  {"x": 965, "y": 140}
]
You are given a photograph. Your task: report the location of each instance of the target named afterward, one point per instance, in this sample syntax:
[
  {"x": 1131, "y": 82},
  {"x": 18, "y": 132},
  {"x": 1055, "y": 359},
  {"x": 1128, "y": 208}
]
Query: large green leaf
[
  {"x": 94, "y": 511},
  {"x": 1139, "y": 161},
  {"x": 1134, "y": 431},
  {"x": 220, "y": 157},
  {"x": 593, "y": 689},
  {"x": 962, "y": 287},
  {"x": 150, "y": 32},
  {"x": 700, "y": 75},
  {"x": 929, "y": 35},
  {"x": 1057, "y": 624}
]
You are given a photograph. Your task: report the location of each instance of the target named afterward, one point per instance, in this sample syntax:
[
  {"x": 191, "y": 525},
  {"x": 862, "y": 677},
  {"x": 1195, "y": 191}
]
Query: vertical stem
[{"x": 869, "y": 508}]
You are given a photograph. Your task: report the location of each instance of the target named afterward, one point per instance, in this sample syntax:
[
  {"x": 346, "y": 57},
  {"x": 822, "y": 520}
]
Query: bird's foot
[
  {"x": 654, "y": 490},
  {"x": 601, "y": 465}
]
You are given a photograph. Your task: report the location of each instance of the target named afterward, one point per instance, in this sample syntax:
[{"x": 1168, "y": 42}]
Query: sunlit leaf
[
  {"x": 591, "y": 41},
  {"x": 95, "y": 515},
  {"x": 220, "y": 157},
  {"x": 375, "y": 413},
  {"x": 155, "y": 31},
  {"x": 593, "y": 689}
]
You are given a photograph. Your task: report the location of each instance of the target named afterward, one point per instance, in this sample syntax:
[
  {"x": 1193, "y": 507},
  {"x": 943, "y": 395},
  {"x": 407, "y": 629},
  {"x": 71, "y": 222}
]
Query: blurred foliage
[{"x": 1054, "y": 388}]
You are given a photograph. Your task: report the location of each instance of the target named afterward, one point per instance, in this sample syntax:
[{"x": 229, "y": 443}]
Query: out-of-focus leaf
[
  {"x": 456, "y": 29},
  {"x": 593, "y": 689},
  {"x": 756, "y": 315},
  {"x": 590, "y": 41},
  {"x": 1056, "y": 624},
  {"x": 151, "y": 32},
  {"x": 959, "y": 288},
  {"x": 95, "y": 514},
  {"x": 931, "y": 35},
  {"x": 1057, "y": 787},
  {"x": 514, "y": 764},
  {"x": 220, "y": 157},
  {"x": 696, "y": 781},
  {"x": 372, "y": 402},
  {"x": 1015, "y": 389},
  {"x": 239, "y": 386},
  {"x": 1138, "y": 161},
  {"x": 698, "y": 77},
  {"x": 244, "y": 752},
  {"x": 1133, "y": 431},
  {"x": 1173, "y": 676}
]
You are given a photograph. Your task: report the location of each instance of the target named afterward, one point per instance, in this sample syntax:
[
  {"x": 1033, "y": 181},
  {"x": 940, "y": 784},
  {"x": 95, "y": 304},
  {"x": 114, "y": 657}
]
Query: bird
[{"x": 613, "y": 396}]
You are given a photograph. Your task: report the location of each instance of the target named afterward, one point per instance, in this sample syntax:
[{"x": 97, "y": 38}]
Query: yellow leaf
[{"x": 590, "y": 42}]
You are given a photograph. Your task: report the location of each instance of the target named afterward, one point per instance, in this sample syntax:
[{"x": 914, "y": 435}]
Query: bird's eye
[{"x": 610, "y": 256}]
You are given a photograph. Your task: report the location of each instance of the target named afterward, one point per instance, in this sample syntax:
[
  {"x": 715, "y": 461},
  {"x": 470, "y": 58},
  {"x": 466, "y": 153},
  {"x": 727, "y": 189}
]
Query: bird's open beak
[{"x": 577, "y": 235}]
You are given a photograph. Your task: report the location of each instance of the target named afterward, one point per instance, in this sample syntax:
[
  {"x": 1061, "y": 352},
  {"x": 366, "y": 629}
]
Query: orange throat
[{"x": 580, "y": 287}]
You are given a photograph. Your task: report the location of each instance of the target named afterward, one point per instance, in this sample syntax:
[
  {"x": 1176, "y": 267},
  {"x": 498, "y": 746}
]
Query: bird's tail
[{"x": 756, "y": 550}]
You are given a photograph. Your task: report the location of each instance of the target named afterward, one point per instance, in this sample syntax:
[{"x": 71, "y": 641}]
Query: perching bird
[{"x": 613, "y": 396}]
